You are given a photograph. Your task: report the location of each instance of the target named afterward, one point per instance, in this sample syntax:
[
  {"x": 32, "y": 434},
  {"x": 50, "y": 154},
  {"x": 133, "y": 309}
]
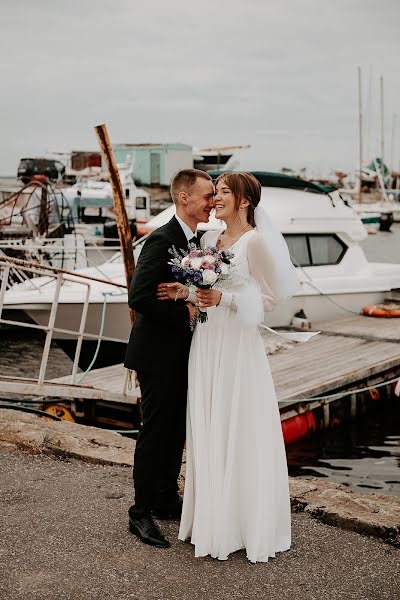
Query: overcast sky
[{"x": 278, "y": 74}]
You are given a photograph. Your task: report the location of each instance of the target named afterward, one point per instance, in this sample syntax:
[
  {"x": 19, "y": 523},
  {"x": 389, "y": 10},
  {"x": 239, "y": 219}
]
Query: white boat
[
  {"x": 91, "y": 200},
  {"x": 323, "y": 236},
  {"x": 369, "y": 211},
  {"x": 80, "y": 229}
]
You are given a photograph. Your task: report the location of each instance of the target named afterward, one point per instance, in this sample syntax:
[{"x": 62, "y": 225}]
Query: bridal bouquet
[{"x": 201, "y": 267}]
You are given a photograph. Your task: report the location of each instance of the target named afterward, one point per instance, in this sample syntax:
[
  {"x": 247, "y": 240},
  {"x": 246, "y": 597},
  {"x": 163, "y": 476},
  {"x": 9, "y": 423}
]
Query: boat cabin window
[
  {"x": 315, "y": 249},
  {"x": 91, "y": 214},
  {"x": 141, "y": 202},
  {"x": 299, "y": 250},
  {"x": 127, "y": 190}
]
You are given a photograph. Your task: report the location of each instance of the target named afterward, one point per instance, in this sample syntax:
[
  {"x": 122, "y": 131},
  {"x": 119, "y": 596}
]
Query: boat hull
[{"x": 117, "y": 323}]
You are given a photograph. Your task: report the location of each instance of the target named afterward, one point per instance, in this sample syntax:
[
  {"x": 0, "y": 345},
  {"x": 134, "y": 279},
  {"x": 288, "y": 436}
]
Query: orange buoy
[
  {"x": 298, "y": 427},
  {"x": 381, "y": 310},
  {"x": 374, "y": 393},
  {"x": 59, "y": 410}
]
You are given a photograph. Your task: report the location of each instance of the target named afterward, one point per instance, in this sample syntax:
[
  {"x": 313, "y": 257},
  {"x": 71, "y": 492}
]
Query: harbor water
[{"x": 363, "y": 454}]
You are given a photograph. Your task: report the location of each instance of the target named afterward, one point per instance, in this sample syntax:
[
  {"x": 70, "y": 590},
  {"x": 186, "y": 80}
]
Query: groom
[{"x": 158, "y": 350}]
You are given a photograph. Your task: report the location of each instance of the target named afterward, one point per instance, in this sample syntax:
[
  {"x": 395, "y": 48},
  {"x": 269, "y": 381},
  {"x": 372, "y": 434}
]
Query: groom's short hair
[{"x": 184, "y": 180}]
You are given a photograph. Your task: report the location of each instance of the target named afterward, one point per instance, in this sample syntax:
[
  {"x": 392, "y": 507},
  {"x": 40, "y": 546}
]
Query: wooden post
[
  {"x": 353, "y": 405},
  {"x": 124, "y": 232},
  {"x": 325, "y": 408}
]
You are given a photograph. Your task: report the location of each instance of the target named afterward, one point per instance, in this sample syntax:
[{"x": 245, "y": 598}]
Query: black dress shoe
[
  {"x": 169, "y": 511},
  {"x": 147, "y": 530}
]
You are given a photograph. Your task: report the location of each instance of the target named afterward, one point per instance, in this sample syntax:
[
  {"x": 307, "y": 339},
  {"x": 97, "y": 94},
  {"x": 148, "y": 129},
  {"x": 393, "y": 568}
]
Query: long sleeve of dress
[{"x": 261, "y": 293}]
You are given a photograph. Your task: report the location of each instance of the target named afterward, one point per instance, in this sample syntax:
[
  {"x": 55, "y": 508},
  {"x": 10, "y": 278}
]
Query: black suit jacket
[{"x": 161, "y": 336}]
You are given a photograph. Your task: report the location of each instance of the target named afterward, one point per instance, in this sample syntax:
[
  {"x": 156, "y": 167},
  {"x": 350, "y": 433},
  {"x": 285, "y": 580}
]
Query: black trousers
[{"x": 159, "y": 446}]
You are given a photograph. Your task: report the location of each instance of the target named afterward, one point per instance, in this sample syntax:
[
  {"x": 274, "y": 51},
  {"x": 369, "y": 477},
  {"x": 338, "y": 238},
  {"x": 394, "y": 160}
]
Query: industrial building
[{"x": 154, "y": 164}]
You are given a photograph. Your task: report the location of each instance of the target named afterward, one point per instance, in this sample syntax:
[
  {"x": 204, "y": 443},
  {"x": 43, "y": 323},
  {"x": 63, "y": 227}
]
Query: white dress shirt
[{"x": 186, "y": 229}]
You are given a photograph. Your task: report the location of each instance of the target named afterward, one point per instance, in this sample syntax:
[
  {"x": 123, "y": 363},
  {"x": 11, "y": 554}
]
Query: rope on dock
[
  {"x": 327, "y": 296},
  {"x": 122, "y": 431},
  {"x": 29, "y": 409}
]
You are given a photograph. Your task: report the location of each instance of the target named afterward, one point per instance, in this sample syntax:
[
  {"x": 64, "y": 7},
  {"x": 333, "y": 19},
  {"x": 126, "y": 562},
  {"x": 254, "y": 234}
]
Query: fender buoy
[
  {"x": 381, "y": 310},
  {"x": 298, "y": 427},
  {"x": 59, "y": 410},
  {"x": 374, "y": 393},
  {"x": 41, "y": 178}
]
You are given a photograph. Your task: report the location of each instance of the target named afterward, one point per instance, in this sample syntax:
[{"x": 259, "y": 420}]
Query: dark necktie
[{"x": 193, "y": 240}]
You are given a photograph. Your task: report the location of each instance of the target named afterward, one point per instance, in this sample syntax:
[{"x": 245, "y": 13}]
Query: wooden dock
[
  {"x": 348, "y": 354},
  {"x": 110, "y": 381}
]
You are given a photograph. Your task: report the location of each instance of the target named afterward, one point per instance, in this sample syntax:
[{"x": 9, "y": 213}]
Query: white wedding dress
[{"x": 236, "y": 492}]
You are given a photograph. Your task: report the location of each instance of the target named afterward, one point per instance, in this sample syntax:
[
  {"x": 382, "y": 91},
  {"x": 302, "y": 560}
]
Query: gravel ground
[{"x": 64, "y": 536}]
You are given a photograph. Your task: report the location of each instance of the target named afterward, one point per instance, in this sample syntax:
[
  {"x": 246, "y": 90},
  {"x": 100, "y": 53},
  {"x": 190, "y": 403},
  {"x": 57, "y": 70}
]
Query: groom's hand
[{"x": 172, "y": 291}]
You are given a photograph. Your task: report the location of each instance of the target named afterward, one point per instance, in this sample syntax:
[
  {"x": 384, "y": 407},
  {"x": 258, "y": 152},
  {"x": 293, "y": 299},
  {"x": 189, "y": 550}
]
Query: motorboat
[
  {"x": 71, "y": 227},
  {"x": 323, "y": 235},
  {"x": 375, "y": 212},
  {"x": 91, "y": 200}
]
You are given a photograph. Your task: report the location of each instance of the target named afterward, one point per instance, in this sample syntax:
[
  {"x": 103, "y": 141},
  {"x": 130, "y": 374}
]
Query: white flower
[
  {"x": 224, "y": 268},
  {"x": 185, "y": 261},
  {"x": 195, "y": 263},
  {"x": 209, "y": 277},
  {"x": 209, "y": 258}
]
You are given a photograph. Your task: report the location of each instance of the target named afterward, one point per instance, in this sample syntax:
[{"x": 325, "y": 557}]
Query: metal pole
[
  {"x": 50, "y": 329},
  {"x": 359, "y": 133},
  {"x": 382, "y": 128},
  {"x": 4, "y": 281},
  {"x": 19, "y": 262},
  {"x": 369, "y": 114},
  {"x": 43, "y": 212},
  {"x": 124, "y": 232},
  {"x": 81, "y": 333}
]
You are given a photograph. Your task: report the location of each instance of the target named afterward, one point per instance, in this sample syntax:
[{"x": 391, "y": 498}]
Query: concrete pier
[{"x": 65, "y": 492}]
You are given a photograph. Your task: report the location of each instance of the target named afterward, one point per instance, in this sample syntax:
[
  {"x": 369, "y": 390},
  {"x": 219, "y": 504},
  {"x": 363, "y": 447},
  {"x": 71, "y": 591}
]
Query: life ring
[{"x": 381, "y": 310}]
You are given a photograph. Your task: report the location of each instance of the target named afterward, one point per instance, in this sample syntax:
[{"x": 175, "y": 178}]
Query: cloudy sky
[{"x": 278, "y": 74}]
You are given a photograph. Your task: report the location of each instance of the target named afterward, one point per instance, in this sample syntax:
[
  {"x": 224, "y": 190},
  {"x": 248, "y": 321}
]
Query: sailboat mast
[
  {"x": 382, "y": 127},
  {"x": 359, "y": 133},
  {"x": 392, "y": 142}
]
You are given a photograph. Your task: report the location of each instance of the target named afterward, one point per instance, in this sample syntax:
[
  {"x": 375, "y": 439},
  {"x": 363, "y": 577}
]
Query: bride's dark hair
[{"x": 243, "y": 186}]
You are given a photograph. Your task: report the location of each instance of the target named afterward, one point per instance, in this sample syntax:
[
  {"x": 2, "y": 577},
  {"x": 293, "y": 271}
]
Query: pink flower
[{"x": 207, "y": 265}]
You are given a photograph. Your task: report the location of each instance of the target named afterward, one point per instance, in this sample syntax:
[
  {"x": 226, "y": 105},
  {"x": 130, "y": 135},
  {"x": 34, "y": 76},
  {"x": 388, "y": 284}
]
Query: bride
[{"x": 236, "y": 491}]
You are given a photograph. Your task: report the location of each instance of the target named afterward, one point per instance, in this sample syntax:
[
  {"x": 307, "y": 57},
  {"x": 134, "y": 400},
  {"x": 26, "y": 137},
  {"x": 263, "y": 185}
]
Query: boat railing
[
  {"x": 58, "y": 277},
  {"x": 55, "y": 252}
]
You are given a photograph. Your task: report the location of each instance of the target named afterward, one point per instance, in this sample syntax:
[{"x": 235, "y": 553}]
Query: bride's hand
[
  {"x": 172, "y": 291},
  {"x": 208, "y": 298}
]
